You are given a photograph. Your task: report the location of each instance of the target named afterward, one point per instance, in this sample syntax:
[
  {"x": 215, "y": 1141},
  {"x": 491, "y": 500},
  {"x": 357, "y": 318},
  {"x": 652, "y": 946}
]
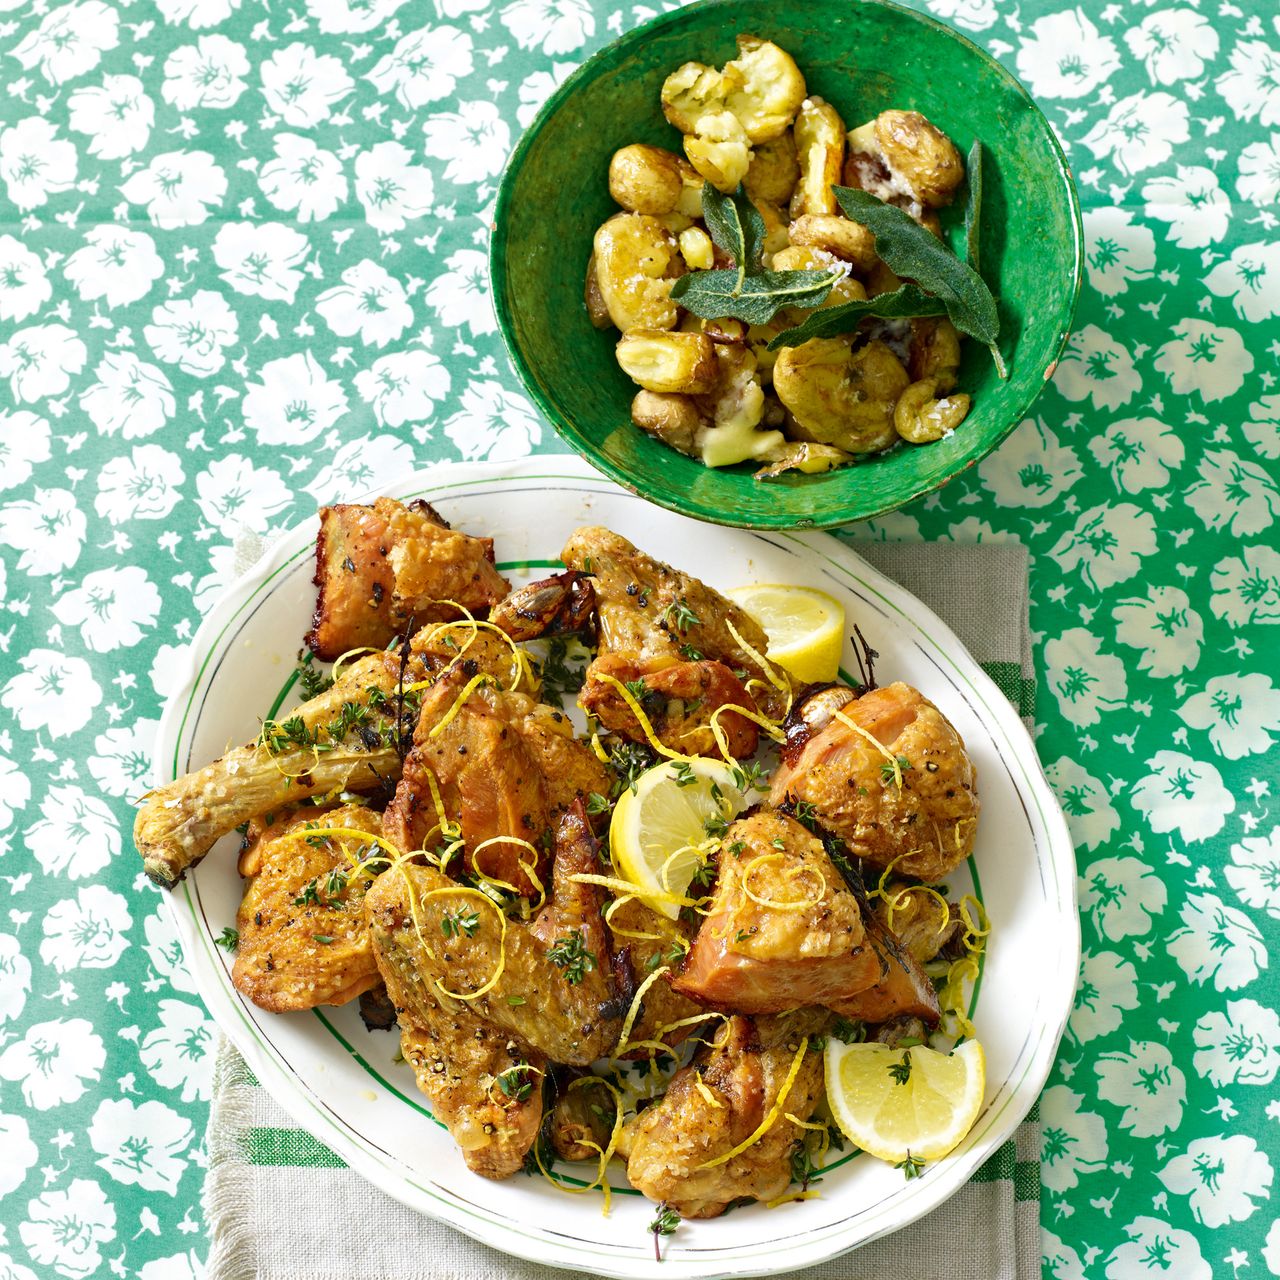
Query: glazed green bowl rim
[{"x": 568, "y": 430}]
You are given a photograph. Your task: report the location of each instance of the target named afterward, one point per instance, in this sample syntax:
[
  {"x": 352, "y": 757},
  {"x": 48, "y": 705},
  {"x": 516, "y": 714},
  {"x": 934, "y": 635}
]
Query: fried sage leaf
[
  {"x": 908, "y": 300},
  {"x": 909, "y": 250},
  {"x": 753, "y": 299},
  {"x": 973, "y": 207},
  {"x": 735, "y": 225}
]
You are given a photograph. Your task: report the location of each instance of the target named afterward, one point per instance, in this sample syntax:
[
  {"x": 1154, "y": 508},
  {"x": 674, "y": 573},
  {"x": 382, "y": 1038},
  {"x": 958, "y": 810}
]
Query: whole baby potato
[
  {"x": 597, "y": 312},
  {"x": 774, "y": 170},
  {"x": 671, "y": 418},
  {"x": 842, "y": 237},
  {"x": 922, "y": 154},
  {"x": 636, "y": 262},
  {"x": 645, "y": 179},
  {"x": 668, "y": 362}
]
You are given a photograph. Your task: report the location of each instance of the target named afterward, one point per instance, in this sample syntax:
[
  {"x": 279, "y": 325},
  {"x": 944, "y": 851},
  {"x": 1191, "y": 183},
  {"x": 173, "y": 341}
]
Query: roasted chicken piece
[
  {"x": 923, "y": 925},
  {"x": 580, "y": 1120},
  {"x": 343, "y": 740},
  {"x": 887, "y": 772},
  {"x": 550, "y": 984},
  {"x": 903, "y": 989},
  {"x": 385, "y": 568},
  {"x": 303, "y": 939},
  {"x": 718, "y": 1102},
  {"x": 563, "y": 604}
]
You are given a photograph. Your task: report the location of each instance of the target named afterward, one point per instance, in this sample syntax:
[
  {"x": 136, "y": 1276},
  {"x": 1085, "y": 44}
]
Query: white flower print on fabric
[
  {"x": 474, "y": 140},
  {"x": 121, "y": 760},
  {"x": 1031, "y": 468},
  {"x": 141, "y": 485},
  {"x": 1123, "y": 895},
  {"x": 112, "y": 607},
  {"x": 167, "y": 667},
  {"x": 41, "y": 360},
  {"x": 179, "y": 188},
  {"x": 1263, "y": 428},
  {"x": 460, "y": 294},
  {"x": 234, "y": 495},
  {"x": 557, "y": 26},
  {"x": 1090, "y": 813},
  {"x": 1116, "y": 251},
  {"x": 1087, "y": 681},
  {"x": 70, "y": 41},
  {"x": 1065, "y": 56},
  {"x": 193, "y": 333},
  {"x": 403, "y": 386},
  {"x": 1143, "y": 1081},
  {"x": 130, "y": 397},
  {"x": 210, "y": 73},
  {"x": 197, "y": 13},
  {"x": 1107, "y": 990},
  {"x": 181, "y": 1266},
  {"x": 87, "y": 931},
  {"x": 301, "y": 86},
  {"x": 261, "y": 259},
  {"x": 1238, "y": 1046},
  {"x": 295, "y": 402},
  {"x": 54, "y": 1062},
  {"x": 65, "y": 1229},
  {"x": 368, "y": 302},
  {"x": 1259, "y": 167},
  {"x": 1239, "y": 712},
  {"x": 1156, "y": 1249},
  {"x": 1254, "y": 872},
  {"x": 15, "y": 791},
  {"x": 117, "y": 116},
  {"x": 178, "y": 1053},
  {"x": 424, "y": 66},
  {"x": 1252, "y": 86},
  {"x": 363, "y": 465},
  {"x": 1183, "y": 795},
  {"x": 117, "y": 264},
  {"x": 77, "y": 833},
  {"x": 303, "y": 179},
  {"x": 24, "y": 285},
  {"x": 971, "y": 15},
  {"x": 1196, "y": 208},
  {"x": 1140, "y": 131},
  {"x": 1095, "y": 366},
  {"x": 1173, "y": 44},
  {"x": 164, "y": 951},
  {"x": 1073, "y": 1141},
  {"x": 10, "y": 1270},
  {"x": 1139, "y": 453},
  {"x": 15, "y": 974},
  {"x": 35, "y": 162},
  {"x": 1246, "y": 588},
  {"x": 54, "y": 692},
  {"x": 1250, "y": 277},
  {"x": 1233, "y": 494},
  {"x": 537, "y": 87},
  {"x": 141, "y": 1145},
  {"x": 351, "y": 17},
  {"x": 391, "y": 187},
  {"x": 1217, "y": 943},
  {"x": 20, "y": 1156},
  {"x": 1222, "y": 1175},
  {"x": 1108, "y": 544},
  {"x": 48, "y": 530},
  {"x": 494, "y": 423},
  {"x": 24, "y": 441},
  {"x": 1164, "y": 626}
]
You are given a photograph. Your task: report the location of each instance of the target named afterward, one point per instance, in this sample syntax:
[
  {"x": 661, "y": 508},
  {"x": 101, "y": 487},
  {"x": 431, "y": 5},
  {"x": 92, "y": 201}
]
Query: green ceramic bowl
[{"x": 863, "y": 56}]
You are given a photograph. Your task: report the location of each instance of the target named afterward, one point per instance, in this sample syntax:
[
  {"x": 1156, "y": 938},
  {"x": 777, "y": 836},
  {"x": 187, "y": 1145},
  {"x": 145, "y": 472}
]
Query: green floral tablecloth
[{"x": 242, "y": 271}]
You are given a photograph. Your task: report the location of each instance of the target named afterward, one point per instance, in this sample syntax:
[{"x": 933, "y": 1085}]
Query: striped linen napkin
[{"x": 267, "y": 1177}]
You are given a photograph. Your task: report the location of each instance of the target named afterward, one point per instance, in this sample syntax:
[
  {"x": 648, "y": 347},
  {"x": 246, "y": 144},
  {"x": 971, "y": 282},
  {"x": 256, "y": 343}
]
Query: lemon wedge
[
  {"x": 662, "y": 831},
  {"x": 912, "y": 1103},
  {"x": 805, "y": 627}
]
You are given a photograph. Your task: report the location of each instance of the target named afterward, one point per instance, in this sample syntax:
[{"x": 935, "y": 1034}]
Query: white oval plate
[{"x": 340, "y": 1082}]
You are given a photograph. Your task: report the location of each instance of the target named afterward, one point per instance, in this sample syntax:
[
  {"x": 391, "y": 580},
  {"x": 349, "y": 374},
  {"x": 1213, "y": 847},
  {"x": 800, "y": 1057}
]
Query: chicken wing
[
  {"x": 303, "y": 939},
  {"x": 717, "y": 1103},
  {"x": 382, "y": 568},
  {"x": 899, "y": 788}
]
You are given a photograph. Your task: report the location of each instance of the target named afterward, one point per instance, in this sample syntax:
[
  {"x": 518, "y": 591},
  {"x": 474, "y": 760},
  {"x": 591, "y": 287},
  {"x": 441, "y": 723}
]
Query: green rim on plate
[{"x": 863, "y": 56}]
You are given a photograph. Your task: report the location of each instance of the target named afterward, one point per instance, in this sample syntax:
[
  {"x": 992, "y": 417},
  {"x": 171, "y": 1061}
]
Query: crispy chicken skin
[
  {"x": 281, "y": 963},
  {"x": 669, "y": 1144},
  {"x": 903, "y": 989},
  {"x": 178, "y": 823},
  {"x": 384, "y": 567},
  {"x": 568, "y": 1013},
  {"x": 925, "y": 827},
  {"x": 560, "y": 605},
  {"x": 759, "y": 954},
  {"x": 570, "y": 769}
]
